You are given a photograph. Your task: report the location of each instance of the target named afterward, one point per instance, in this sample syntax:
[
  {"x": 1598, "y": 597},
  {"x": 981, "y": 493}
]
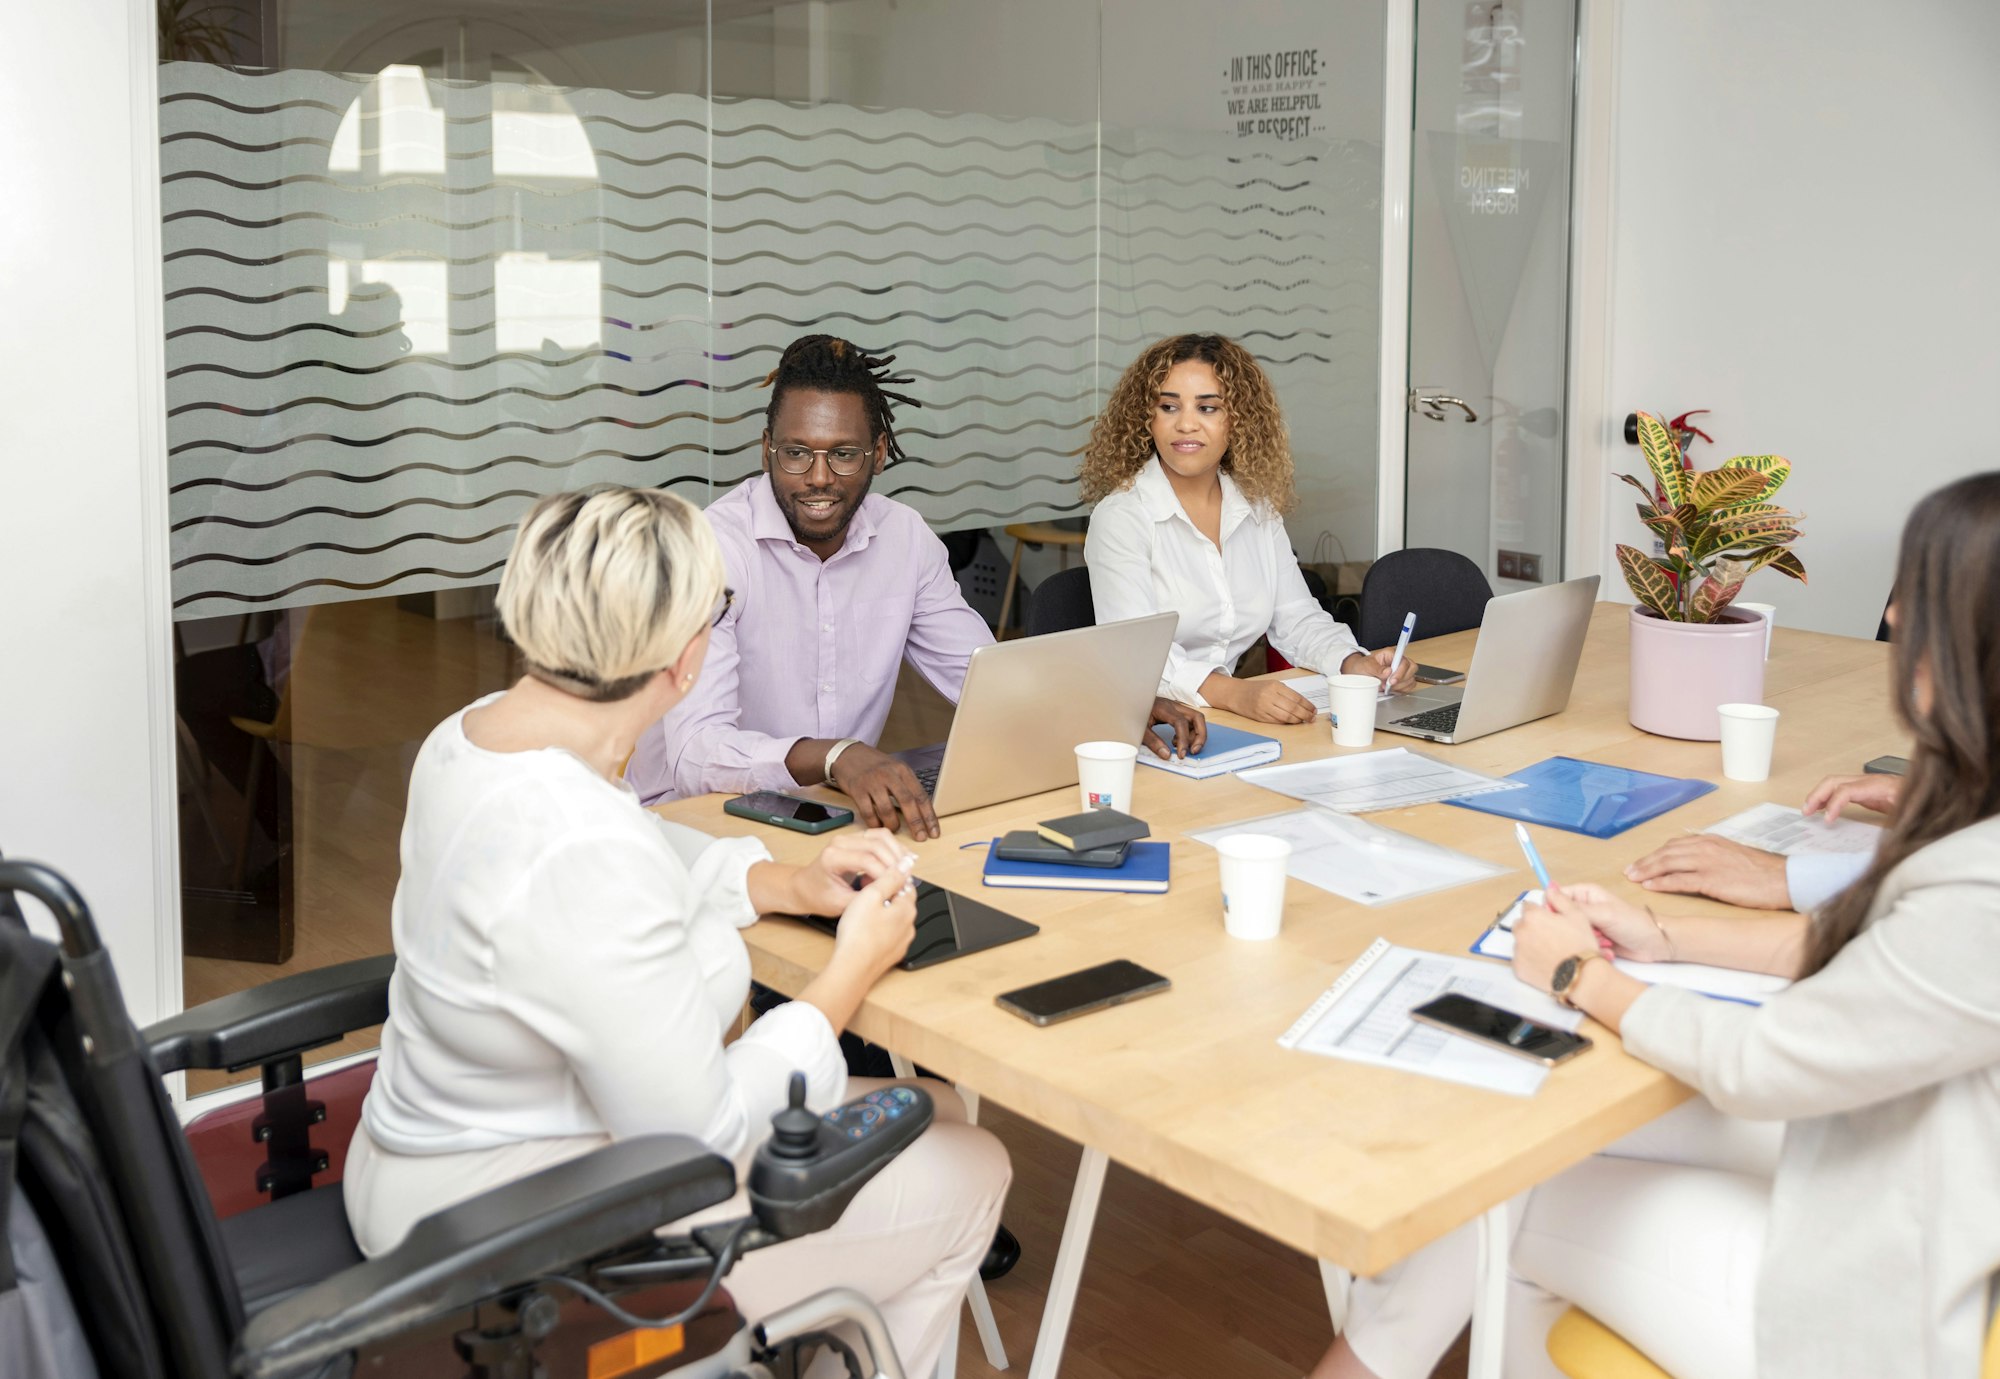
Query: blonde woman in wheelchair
[{"x": 568, "y": 964}]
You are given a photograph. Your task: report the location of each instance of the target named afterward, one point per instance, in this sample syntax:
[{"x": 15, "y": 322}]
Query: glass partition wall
[{"x": 427, "y": 261}]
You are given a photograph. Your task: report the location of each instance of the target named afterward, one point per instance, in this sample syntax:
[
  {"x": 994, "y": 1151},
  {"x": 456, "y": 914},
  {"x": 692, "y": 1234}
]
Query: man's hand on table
[
  {"x": 885, "y": 792},
  {"x": 1190, "y": 729}
]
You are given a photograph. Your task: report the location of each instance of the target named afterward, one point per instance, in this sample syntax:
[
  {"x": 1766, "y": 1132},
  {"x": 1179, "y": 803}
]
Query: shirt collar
[
  {"x": 767, "y": 519},
  {"x": 1162, "y": 504}
]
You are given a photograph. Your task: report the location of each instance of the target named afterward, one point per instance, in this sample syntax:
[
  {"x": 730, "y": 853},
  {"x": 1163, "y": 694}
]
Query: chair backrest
[
  {"x": 1062, "y": 602},
  {"x": 1445, "y": 590},
  {"x": 117, "y": 1154},
  {"x": 1882, "y": 628}
]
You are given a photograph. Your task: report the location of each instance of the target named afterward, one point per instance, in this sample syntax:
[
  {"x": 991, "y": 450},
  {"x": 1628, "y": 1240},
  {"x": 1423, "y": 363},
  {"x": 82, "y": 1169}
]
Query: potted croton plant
[{"x": 1690, "y": 650}]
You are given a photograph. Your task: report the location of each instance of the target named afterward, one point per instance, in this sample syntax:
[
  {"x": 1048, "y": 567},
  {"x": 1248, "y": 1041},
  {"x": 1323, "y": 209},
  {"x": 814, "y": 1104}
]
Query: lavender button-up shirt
[{"x": 811, "y": 648}]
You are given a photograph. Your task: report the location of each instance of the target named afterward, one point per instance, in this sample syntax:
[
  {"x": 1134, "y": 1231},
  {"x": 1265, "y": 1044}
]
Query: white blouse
[
  {"x": 1145, "y": 556},
  {"x": 568, "y": 963}
]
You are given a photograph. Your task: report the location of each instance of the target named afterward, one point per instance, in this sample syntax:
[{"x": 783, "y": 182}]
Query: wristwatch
[
  {"x": 833, "y": 755},
  {"x": 1567, "y": 973}
]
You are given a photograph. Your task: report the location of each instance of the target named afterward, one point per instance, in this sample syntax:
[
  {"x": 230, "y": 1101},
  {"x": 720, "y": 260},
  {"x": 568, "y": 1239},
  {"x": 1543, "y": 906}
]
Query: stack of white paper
[
  {"x": 1781, "y": 829},
  {"x": 1392, "y": 779},
  {"x": 1357, "y": 860}
]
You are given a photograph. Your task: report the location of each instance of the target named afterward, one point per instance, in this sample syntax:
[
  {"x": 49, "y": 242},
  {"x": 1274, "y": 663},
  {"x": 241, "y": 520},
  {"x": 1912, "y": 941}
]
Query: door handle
[{"x": 1432, "y": 405}]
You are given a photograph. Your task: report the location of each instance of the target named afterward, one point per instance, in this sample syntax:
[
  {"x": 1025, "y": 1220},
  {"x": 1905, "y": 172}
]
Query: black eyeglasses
[
  {"x": 844, "y": 460},
  {"x": 722, "y": 608}
]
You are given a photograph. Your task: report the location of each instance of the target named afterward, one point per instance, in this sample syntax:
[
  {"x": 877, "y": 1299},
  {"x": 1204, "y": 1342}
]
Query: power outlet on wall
[
  {"x": 1521, "y": 565},
  {"x": 1510, "y": 565}
]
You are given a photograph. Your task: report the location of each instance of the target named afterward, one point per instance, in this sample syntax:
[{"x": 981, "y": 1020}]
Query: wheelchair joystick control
[
  {"x": 795, "y": 1130},
  {"x": 805, "y": 1174}
]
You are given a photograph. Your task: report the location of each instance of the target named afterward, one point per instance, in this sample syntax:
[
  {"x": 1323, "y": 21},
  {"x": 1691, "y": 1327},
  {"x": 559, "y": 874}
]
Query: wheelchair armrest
[
  {"x": 543, "y": 1224},
  {"x": 275, "y": 1020}
]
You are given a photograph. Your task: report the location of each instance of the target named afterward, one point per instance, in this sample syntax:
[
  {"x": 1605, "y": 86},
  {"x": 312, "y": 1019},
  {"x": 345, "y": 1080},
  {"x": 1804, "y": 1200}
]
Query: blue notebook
[
  {"x": 1587, "y": 797},
  {"x": 1225, "y": 750},
  {"x": 1144, "y": 872}
]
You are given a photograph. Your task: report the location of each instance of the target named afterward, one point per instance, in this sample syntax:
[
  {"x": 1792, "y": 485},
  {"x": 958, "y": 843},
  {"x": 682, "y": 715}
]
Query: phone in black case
[
  {"x": 1500, "y": 1029},
  {"x": 1079, "y": 993}
]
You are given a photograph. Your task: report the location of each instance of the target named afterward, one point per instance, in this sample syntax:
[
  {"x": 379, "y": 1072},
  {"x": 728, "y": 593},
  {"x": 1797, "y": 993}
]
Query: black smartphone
[
  {"x": 1500, "y": 1029},
  {"x": 1026, "y": 845},
  {"x": 1438, "y": 675},
  {"x": 788, "y": 811},
  {"x": 1887, "y": 766},
  {"x": 1079, "y": 993}
]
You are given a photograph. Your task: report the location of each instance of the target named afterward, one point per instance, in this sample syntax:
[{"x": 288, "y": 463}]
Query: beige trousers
[{"x": 910, "y": 1240}]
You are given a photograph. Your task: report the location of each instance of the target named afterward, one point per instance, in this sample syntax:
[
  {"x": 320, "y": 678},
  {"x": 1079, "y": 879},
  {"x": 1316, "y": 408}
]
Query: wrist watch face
[{"x": 1566, "y": 971}]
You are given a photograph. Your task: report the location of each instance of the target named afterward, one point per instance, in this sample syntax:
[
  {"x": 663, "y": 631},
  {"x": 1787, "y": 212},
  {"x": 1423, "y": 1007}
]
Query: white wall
[
  {"x": 82, "y": 481},
  {"x": 1806, "y": 196}
]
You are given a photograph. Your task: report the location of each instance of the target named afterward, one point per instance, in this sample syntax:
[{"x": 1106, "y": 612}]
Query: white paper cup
[
  {"x": 1104, "y": 774},
  {"x": 1352, "y": 699},
  {"x": 1749, "y": 732},
  {"x": 1767, "y": 612},
  {"x": 1253, "y": 883}
]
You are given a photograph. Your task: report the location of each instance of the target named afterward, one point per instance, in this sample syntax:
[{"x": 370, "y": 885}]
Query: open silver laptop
[
  {"x": 1027, "y": 703},
  {"x": 1522, "y": 668}
]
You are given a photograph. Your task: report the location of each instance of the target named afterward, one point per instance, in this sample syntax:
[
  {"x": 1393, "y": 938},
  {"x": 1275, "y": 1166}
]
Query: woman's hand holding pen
[{"x": 1622, "y": 929}]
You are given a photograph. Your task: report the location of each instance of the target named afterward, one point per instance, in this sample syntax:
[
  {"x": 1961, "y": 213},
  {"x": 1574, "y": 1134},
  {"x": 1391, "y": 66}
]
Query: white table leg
[
  {"x": 1489, "y": 1297},
  {"x": 1069, "y": 1264},
  {"x": 1337, "y": 1282},
  {"x": 902, "y": 1067}
]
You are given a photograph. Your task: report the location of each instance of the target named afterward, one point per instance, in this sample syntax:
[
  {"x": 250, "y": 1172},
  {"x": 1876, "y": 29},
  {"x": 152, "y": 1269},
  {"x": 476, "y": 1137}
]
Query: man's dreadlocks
[{"x": 829, "y": 364}]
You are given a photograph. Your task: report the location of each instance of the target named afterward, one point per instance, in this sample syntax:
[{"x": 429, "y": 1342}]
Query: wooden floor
[{"x": 1171, "y": 1289}]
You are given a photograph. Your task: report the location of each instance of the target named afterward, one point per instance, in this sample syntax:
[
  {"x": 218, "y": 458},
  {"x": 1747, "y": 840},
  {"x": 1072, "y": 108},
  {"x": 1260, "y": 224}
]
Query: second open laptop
[
  {"x": 1522, "y": 668},
  {"x": 1027, "y": 703}
]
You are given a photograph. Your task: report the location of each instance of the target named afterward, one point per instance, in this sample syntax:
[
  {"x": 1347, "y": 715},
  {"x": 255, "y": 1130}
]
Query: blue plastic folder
[
  {"x": 1145, "y": 872},
  {"x": 1587, "y": 797}
]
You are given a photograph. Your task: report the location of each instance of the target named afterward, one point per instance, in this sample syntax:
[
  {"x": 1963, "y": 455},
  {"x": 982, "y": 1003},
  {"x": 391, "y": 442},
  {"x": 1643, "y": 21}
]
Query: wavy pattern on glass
[{"x": 394, "y": 318}]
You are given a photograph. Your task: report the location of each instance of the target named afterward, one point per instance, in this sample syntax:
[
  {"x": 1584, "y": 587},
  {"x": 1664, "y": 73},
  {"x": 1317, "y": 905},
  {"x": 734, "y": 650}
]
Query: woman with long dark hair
[{"x": 1870, "y": 1246}]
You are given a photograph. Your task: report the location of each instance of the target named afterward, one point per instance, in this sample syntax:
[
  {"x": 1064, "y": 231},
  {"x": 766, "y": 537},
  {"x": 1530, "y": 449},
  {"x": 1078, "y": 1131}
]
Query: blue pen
[
  {"x": 1402, "y": 645},
  {"x": 1534, "y": 858}
]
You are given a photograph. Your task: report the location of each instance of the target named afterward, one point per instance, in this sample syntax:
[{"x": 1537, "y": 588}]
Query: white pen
[{"x": 1402, "y": 644}]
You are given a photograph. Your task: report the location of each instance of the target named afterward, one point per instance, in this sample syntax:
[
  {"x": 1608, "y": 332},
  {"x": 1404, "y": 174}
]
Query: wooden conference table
[{"x": 1355, "y": 1165}]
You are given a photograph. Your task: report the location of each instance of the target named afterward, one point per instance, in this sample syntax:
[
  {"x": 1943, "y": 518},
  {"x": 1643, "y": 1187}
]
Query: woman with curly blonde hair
[{"x": 1192, "y": 475}]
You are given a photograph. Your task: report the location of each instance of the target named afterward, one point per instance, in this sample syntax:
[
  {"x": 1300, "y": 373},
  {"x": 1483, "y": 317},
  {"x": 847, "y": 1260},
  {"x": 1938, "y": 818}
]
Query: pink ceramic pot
[{"x": 1681, "y": 671}]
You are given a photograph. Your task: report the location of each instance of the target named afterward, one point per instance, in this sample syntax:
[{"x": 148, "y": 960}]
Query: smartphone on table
[
  {"x": 789, "y": 811},
  {"x": 1094, "y": 988},
  {"x": 1500, "y": 1029},
  {"x": 1439, "y": 675}
]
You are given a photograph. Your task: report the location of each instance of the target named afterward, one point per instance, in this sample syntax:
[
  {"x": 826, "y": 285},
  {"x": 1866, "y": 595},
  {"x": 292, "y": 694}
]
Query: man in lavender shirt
[{"x": 834, "y": 587}]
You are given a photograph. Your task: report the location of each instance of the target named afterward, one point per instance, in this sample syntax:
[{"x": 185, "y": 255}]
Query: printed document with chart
[{"x": 1364, "y": 1017}]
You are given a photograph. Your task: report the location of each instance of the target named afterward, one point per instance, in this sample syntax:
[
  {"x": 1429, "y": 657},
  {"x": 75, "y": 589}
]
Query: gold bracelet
[{"x": 1665, "y": 937}]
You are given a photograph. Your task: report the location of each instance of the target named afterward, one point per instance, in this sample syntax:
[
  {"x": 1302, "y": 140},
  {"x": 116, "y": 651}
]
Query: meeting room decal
[{"x": 399, "y": 309}]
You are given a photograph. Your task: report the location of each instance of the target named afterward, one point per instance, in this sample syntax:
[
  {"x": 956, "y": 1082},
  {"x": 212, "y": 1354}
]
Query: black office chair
[
  {"x": 1445, "y": 590},
  {"x": 1061, "y": 602},
  {"x": 557, "y": 1274},
  {"x": 1882, "y": 629}
]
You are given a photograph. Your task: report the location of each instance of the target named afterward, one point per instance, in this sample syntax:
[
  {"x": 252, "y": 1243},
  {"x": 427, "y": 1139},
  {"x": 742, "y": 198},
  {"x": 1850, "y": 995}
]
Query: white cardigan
[
  {"x": 567, "y": 964},
  {"x": 1885, "y": 1215}
]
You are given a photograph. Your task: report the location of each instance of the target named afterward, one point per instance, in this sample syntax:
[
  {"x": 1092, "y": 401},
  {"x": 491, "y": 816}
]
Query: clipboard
[
  {"x": 1587, "y": 797},
  {"x": 1716, "y": 983}
]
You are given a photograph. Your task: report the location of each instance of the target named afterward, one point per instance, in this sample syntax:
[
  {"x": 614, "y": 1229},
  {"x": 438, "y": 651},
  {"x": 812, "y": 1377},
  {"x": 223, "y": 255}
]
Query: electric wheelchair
[{"x": 118, "y": 1264}]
